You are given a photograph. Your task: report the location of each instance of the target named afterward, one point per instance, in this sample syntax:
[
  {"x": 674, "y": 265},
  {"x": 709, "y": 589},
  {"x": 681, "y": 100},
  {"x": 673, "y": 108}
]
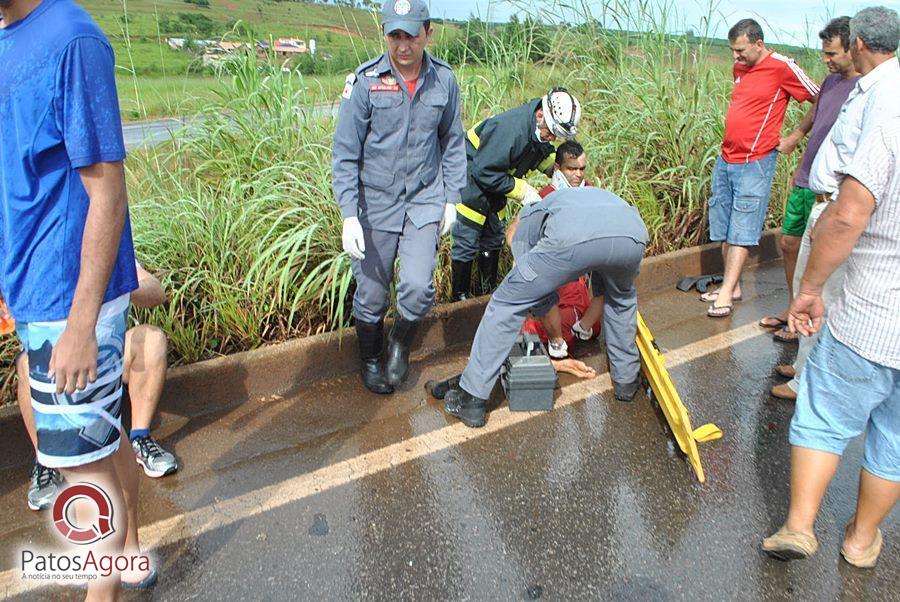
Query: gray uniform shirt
[
  {"x": 394, "y": 156},
  {"x": 572, "y": 216}
]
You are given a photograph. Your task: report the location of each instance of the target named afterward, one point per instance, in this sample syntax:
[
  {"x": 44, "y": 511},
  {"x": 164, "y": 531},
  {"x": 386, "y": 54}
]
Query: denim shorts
[
  {"x": 77, "y": 429},
  {"x": 740, "y": 200},
  {"x": 842, "y": 395}
]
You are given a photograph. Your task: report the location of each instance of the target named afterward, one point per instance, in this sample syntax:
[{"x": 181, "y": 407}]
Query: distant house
[
  {"x": 214, "y": 52},
  {"x": 285, "y": 47},
  {"x": 232, "y": 46}
]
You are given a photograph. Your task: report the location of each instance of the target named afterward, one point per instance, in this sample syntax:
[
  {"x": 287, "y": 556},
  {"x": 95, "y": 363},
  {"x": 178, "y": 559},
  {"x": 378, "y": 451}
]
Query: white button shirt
[{"x": 875, "y": 96}]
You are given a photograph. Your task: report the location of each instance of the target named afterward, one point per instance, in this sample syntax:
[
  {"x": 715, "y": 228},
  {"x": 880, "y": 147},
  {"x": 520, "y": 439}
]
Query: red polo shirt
[{"x": 758, "y": 104}]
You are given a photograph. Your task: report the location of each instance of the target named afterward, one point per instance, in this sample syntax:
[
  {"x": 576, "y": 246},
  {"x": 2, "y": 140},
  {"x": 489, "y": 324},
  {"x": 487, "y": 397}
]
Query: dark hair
[
  {"x": 746, "y": 27},
  {"x": 839, "y": 27},
  {"x": 569, "y": 148}
]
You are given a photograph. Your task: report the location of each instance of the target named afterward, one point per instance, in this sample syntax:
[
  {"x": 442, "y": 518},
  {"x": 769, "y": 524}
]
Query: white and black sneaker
[
  {"x": 581, "y": 332},
  {"x": 558, "y": 350},
  {"x": 46, "y": 483},
  {"x": 156, "y": 461}
]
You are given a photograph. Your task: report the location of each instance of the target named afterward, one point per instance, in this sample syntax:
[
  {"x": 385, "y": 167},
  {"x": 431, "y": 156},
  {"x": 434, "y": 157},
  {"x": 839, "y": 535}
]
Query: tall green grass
[{"x": 238, "y": 217}]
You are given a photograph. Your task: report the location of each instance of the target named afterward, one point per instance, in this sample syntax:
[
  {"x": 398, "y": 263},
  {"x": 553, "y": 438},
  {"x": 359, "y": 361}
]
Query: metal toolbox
[{"x": 528, "y": 378}]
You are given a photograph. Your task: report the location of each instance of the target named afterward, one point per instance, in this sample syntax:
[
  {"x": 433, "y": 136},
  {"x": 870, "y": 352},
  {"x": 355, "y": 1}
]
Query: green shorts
[{"x": 796, "y": 212}]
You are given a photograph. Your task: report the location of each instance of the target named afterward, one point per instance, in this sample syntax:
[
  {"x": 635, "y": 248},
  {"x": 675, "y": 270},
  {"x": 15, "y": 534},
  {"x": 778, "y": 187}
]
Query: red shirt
[
  {"x": 411, "y": 85},
  {"x": 758, "y": 104},
  {"x": 551, "y": 188}
]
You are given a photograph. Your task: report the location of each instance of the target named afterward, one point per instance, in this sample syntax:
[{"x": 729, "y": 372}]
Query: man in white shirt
[
  {"x": 851, "y": 384},
  {"x": 873, "y": 98}
]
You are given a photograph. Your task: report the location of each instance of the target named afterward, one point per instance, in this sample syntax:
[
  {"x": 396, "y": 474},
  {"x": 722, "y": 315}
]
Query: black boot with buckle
[
  {"x": 371, "y": 344},
  {"x": 399, "y": 341},
  {"x": 488, "y": 265}
]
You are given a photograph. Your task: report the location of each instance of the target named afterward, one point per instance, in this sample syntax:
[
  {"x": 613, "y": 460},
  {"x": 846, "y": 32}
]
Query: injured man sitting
[{"x": 578, "y": 313}]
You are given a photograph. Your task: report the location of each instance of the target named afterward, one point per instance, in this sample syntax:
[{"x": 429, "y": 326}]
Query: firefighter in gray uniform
[
  {"x": 398, "y": 169},
  {"x": 571, "y": 232},
  {"x": 500, "y": 152}
]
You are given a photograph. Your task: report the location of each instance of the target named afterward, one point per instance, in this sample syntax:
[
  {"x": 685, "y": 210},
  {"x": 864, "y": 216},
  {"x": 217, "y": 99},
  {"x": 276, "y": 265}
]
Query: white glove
[
  {"x": 531, "y": 195},
  {"x": 352, "y": 238},
  {"x": 449, "y": 218}
]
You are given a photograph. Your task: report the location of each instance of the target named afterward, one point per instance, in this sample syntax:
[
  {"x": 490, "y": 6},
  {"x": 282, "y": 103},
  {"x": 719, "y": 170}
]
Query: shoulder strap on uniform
[
  {"x": 438, "y": 61},
  {"x": 367, "y": 65}
]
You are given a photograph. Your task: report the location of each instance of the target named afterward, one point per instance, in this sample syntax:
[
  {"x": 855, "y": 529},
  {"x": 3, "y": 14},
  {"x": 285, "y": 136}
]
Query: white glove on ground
[
  {"x": 449, "y": 218},
  {"x": 531, "y": 196},
  {"x": 354, "y": 243}
]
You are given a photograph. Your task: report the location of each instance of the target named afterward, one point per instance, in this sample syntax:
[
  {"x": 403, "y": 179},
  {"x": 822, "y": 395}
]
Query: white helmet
[{"x": 562, "y": 112}]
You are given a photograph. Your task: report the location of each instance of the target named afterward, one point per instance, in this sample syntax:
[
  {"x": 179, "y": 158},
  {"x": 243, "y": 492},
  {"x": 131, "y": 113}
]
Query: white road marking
[{"x": 227, "y": 512}]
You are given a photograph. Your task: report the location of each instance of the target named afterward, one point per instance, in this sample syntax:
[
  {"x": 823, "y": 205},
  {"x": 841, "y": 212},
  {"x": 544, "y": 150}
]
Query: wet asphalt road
[
  {"x": 151, "y": 132},
  {"x": 338, "y": 494}
]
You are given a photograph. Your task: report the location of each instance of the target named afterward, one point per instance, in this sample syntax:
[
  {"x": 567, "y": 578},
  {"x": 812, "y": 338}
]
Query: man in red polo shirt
[{"x": 764, "y": 82}]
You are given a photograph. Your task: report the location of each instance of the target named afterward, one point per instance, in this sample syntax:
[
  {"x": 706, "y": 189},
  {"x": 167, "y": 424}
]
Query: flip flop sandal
[
  {"x": 711, "y": 296},
  {"x": 785, "y": 336},
  {"x": 773, "y": 322},
  {"x": 786, "y": 370},
  {"x": 867, "y": 559},
  {"x": 712, "y": 309},
  {"x": 147, "y": 582},
  {"x": 790, "y": 545}
]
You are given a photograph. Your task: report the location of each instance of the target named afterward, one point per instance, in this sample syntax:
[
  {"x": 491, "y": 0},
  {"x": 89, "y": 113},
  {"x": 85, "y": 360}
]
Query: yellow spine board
[{"x": 653, "y": 366}]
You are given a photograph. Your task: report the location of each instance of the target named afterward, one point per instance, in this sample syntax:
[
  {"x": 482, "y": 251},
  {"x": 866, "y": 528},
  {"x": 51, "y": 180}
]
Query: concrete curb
[{"x": 283, "y": 368}]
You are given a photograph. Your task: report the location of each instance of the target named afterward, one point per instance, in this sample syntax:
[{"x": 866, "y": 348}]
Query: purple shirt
[{"x": 835, "y": 90}]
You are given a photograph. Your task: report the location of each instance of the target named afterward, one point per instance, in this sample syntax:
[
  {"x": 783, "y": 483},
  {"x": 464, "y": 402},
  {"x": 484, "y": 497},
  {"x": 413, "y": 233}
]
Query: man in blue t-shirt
[{"x": 66, "y": 256}]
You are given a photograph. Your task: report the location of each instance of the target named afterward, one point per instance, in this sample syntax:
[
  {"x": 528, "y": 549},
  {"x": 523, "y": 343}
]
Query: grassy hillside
[
  {"x": 146, "y": 18},
  {"x": 155, "y": 80}
]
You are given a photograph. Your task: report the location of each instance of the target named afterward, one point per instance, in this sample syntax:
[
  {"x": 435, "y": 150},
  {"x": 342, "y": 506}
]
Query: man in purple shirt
[{"x": 817, "y": 123}]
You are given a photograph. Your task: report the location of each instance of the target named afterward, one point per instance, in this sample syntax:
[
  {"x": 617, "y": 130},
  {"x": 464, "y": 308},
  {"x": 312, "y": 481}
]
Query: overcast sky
[{"x": 784, "y": 21}]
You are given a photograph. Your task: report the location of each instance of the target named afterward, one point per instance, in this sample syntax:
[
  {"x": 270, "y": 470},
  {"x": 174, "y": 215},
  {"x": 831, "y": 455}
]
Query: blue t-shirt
[{"x": 60, "y": 112}]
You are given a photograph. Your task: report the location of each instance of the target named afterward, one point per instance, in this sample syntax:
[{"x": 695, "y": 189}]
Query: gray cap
[{"x": 408, "y": 15}]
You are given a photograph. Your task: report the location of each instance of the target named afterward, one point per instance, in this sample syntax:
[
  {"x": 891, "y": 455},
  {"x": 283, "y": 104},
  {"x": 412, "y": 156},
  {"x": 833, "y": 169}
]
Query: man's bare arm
[
  {"x": 511, "y": 231},
  {"x": 150, "y": 291},
  {"x": 74, "y": 361},
  {"x": 787, "y": 144}
]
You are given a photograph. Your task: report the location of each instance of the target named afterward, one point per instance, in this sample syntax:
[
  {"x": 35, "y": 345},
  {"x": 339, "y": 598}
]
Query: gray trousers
[
  {"x": 469, "y": 239},
  {"x": 417, "y": 249},
  {"x": 614, "y": 261},
  {"x": 830, "y": 293}
]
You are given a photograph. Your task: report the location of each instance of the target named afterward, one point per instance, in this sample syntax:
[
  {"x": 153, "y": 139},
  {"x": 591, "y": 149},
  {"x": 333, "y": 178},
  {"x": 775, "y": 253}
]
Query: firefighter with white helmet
[{"x": 500, "y": 151}]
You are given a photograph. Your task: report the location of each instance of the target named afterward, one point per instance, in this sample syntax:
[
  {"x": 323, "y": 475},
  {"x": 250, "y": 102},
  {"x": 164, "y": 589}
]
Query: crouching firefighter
[
  {"x": 571, "y": 232},
  {"x": 500, "y": 151},
  {"x": 398, "y": 169}
]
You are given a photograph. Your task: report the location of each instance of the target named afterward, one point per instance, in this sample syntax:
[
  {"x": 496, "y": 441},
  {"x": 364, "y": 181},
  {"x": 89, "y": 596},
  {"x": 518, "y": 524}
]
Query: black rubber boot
[
  {"x": 461, "y": 280},
  {"x": 439, "y": 388},
  {"x": 371, "y": 343},
  {"x": 488, "y": 265},
  {"x": 399, "y": 341},
  {"x": 468, "y": 408},
  {"x": 626, "y": 391}
]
